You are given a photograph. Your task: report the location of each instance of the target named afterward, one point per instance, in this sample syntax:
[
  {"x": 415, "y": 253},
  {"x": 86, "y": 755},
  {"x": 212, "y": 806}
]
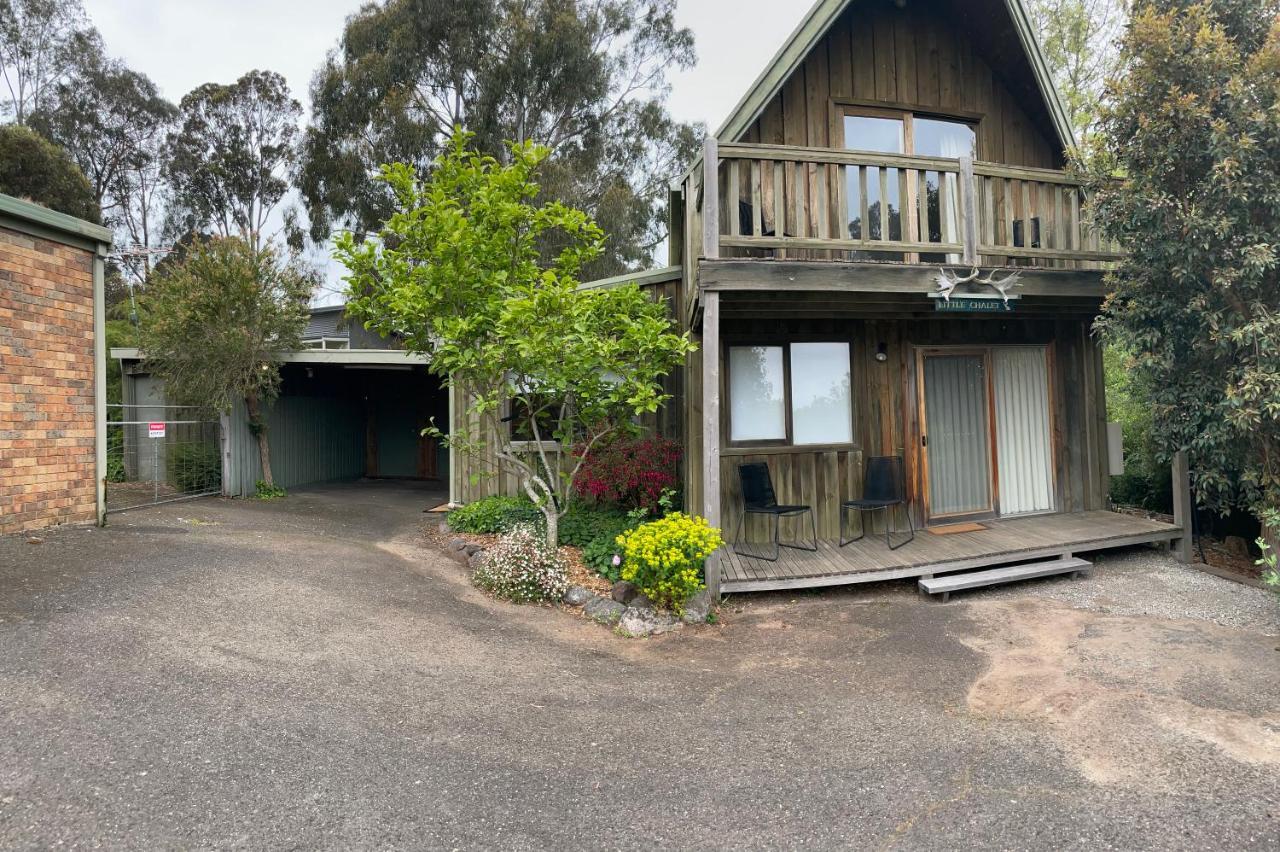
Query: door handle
[{"x": 924, "y": 440}]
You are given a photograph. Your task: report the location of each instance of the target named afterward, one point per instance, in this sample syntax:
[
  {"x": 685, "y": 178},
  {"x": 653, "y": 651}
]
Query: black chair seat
[
  {"x": 758, "y": 499},
  {"x": 778, "y": 510},
  {"x": 869, "y": 504}
]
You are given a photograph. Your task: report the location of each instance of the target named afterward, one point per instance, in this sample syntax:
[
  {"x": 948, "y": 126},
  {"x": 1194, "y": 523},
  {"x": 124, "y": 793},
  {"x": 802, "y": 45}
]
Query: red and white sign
[{"x": 155, "y": 430}]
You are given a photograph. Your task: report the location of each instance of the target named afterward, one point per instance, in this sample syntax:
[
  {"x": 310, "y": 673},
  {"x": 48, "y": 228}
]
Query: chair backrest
[
  {"x": 884, "y": 479},
  {"x": 757, "y": 486}
]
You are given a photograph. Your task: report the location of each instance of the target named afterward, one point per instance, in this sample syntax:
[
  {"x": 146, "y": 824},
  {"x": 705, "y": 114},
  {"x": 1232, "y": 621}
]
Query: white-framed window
[{"x": 797, "y": 393}]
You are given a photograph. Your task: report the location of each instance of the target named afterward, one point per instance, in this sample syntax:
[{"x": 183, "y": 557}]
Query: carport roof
[{"x": 353, "y": 357}]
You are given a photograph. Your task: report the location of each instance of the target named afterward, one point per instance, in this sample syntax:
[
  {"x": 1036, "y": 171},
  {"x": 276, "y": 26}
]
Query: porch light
[{"x": 882, "y": 352}]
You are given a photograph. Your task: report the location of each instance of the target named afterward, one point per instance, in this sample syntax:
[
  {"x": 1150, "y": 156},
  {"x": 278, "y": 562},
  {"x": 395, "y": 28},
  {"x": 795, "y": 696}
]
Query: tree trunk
[
  {"x": 552, "y": 514},
  {"x": 259, "y": 428}
]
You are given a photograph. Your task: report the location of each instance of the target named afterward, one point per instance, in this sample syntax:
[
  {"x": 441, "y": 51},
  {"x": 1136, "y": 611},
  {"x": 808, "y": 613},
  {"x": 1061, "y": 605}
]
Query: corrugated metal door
[{"x": 1023, "y": 450}]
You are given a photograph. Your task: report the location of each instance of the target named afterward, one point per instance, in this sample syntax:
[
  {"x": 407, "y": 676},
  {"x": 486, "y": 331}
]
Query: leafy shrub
[
  {"x": 263, "y": 491},
  {"x": 665, "y": 558},
  {"x": 583, "y": 524},
  {"x": 522, "y": 569},
  {"x": 603, "y": 556},
  {"x": 495, "y": 515},
  {"x": 631, "y": 472},
  {"x": 195, "y": 467}
]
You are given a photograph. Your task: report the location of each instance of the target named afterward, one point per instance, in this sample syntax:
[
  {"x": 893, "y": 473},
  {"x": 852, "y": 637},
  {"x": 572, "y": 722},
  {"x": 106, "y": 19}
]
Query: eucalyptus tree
[
  {"x": 41, "y": 44},
  {"x": 231, "y": 155},
  {"x": 33, "y": 168},
  {"x": 586, "y": 80},
  {"x": 1080, "y": 40},
  {"x": 113, "y": 122}
]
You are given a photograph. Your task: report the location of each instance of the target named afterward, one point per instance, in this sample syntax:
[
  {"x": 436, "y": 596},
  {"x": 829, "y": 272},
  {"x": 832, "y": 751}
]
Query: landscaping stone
[
  {"x": 697, "y": 608},
  {"x": 445, "y": 529},
  {"x": 641, "y": 602},
  {"x": 604, "y": 610},
  {"x": 645, "y": 622},
  {"x": 475, "y": 560},
  {"x": 473, "y": 549},
  {"x": 623, "y": 591},
  {"x": 456, "y": 544},
  {"x": 577, "y": 595}
]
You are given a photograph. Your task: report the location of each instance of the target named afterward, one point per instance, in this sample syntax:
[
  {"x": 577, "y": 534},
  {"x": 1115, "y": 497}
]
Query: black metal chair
[
  {"x": 758, "y": 499},
  {"x": 883, "y": 487}
]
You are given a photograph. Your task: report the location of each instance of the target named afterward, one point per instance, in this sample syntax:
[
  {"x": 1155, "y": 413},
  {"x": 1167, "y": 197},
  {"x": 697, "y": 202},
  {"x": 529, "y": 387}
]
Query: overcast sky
[{"x": 182, "y": 43}]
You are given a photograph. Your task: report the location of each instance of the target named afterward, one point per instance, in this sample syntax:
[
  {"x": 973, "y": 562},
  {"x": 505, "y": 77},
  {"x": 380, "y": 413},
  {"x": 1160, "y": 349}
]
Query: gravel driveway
[{"x": 305, "y": 674}]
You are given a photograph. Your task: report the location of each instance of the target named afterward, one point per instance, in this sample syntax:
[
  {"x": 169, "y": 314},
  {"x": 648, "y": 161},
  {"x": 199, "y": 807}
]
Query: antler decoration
[{"x": 946, "y": 281}]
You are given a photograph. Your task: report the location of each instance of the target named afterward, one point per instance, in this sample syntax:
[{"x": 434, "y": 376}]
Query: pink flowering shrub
[
  {"x": 631, "y": 472},
  {"x": 521, "y": 568}
]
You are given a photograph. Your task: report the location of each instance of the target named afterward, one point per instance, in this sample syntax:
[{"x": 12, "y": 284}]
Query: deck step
[{"x": 949, "y": 583}]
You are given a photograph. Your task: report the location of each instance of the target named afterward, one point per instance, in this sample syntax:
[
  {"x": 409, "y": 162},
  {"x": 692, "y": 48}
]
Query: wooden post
[
  {"x": 711, "y": 198},
  {"x": 1182, "y": 506},
  {"x": 968, "y": 211},
  {"x": 711, "y": 427}
]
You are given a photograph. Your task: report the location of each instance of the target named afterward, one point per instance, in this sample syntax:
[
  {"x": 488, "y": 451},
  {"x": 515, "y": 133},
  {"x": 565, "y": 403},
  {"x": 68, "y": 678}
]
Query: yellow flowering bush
[{"x": 664, "y": 558}]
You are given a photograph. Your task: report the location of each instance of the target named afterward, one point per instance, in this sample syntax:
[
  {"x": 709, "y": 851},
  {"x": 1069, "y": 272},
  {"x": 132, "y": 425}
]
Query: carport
[{"x": 342, "y": 414}]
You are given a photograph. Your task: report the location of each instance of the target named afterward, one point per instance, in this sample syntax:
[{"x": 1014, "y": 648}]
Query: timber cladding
[
  {"x": 47, "y": 414},
  {"x": 930, "y": 57},
  {"x": 886, "y": 410}
]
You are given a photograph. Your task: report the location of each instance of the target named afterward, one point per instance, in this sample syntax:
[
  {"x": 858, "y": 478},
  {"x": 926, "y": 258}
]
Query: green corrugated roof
[{"x": 53, "y": 220}]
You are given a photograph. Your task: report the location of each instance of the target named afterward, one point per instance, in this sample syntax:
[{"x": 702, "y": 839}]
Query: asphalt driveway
[{"x": 306, "y": 673}]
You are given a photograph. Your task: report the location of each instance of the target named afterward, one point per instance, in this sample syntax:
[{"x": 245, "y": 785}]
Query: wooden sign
[{"x": 963, "y": 305}]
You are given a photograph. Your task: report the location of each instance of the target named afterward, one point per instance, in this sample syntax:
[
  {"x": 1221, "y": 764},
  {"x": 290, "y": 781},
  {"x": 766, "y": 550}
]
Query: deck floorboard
[{"x": 1004, "y": 540}]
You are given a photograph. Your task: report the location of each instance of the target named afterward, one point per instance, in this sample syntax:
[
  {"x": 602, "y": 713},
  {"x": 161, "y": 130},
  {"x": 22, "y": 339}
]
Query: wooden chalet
[{"x": 881, "y": 254}]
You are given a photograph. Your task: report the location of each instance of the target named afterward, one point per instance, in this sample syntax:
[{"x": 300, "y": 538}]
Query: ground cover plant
[{"x": 521, "y": 568}]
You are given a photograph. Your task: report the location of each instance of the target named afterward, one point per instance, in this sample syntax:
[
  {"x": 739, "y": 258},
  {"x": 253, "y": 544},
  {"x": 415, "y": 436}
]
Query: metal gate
[{"x": 161, "y": 453}]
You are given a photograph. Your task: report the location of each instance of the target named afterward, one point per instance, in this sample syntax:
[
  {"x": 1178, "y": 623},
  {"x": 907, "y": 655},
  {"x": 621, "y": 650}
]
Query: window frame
[
  {"x": 841, "y": 109},
  {"x": 788, "y": 441}
]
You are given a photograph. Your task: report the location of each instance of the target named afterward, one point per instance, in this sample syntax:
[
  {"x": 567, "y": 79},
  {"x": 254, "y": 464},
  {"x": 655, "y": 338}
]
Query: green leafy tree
[
  {"x": 33, "y": 168},
  {"x": 214, "y": 322},
  {"x": 459, "y": 275},
  {"x": 1080, "y": 43},
  {"x": 231, "y": 156},
  {"x": 1192, "y": 127},
  {"x": 41, "y": 44},
  {"x": 588, "y": 80}
]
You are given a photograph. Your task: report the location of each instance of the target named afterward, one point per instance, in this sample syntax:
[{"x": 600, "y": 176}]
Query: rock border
[{"x": 630, "y": 613}]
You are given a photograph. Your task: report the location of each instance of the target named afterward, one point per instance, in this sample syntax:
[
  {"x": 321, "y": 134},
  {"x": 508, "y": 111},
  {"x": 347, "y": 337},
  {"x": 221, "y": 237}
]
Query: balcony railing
[{"x": 823, "y": 203}]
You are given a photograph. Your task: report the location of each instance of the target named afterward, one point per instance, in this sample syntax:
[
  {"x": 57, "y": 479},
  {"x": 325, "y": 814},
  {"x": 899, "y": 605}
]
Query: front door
[
  {"x": 956, "y": 440},
  {"x": 986, "y": 441}
]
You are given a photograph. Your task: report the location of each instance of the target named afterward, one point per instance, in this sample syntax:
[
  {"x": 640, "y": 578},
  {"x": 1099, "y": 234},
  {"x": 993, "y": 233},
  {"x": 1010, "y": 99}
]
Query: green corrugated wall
[{"x": 312, "y": 440}]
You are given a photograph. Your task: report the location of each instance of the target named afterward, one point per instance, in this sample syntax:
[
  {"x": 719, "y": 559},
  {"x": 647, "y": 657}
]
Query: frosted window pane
[
  {"x": 820, "y": 405},
  {"x": 756, "y": 404}
]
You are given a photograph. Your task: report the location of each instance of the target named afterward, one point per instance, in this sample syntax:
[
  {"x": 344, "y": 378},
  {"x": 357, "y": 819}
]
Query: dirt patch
[{"x": 1131, "y": 700}]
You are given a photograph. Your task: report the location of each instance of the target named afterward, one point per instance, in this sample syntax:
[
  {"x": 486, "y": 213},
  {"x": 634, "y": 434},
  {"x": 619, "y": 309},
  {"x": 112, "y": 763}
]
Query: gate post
[{"x": 1182, "y": 506}]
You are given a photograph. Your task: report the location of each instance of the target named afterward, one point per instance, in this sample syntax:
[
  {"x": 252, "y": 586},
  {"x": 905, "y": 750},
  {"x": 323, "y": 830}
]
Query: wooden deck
[{"x": 1004, "y": 541}]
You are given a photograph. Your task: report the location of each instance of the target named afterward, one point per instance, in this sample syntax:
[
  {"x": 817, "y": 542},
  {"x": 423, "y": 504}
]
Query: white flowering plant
[{"x": 521, "y": 568}]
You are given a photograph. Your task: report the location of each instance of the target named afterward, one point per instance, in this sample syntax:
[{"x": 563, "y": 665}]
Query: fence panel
[{"x": 161, "y": 453}]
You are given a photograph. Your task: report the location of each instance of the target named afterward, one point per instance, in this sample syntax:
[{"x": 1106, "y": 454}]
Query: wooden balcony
[{"x": 784, "y": 202}]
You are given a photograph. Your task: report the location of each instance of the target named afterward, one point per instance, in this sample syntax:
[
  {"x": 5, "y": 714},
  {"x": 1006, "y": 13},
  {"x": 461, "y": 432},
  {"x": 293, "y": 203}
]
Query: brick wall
[{"x": 47, "y": 452}]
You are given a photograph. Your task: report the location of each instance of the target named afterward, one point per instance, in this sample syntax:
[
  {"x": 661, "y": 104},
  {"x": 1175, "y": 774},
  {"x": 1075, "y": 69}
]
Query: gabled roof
[{"x": 813, "y": 27}]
